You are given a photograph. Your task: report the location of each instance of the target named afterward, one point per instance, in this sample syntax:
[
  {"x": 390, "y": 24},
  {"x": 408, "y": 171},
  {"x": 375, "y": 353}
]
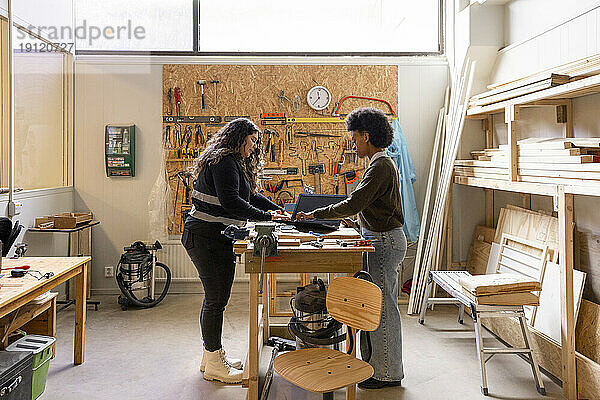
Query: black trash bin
[{"x": 15, "y": 375}]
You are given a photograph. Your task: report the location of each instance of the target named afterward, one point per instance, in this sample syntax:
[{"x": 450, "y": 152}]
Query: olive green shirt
[{"x": 376, "y": 199}]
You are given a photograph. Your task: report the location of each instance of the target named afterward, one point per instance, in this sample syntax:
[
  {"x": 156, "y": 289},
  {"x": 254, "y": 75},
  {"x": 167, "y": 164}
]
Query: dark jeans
[{"x": 212, "y": 254}]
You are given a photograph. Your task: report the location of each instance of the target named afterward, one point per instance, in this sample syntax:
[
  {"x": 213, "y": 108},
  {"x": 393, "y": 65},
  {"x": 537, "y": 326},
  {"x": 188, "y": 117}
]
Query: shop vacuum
[
  {"x": 135, "y": 274},
  {"x": 311, "y": 325}
]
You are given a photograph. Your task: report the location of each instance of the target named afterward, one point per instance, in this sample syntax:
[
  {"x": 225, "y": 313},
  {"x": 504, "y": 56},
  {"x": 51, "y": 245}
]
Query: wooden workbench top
[
  {"x": 329, "y": 244},
  {"x": 11, "y": 288}
]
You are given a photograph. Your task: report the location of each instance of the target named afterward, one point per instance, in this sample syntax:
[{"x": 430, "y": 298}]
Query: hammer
[
  {"x": 279, "y": 344},
  {"x": 201, "y": 82}
]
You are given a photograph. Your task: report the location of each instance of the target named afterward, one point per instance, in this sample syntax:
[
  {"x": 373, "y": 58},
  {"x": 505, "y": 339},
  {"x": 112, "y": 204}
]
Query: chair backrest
[
  {"x": 8, "y": 234},
  {"x": 355, "y": 302}
]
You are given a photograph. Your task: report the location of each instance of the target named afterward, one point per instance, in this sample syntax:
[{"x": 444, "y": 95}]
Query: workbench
[
  {"x": 17, "y": 292},
  {"x": 298, "y": 257}
]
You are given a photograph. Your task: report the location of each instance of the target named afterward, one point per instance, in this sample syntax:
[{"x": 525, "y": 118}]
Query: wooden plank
[
  {"x": 561, "y": 174},
  {"x": 511, "y": 116},
  {"x": 575, "y": 89},
  {"x": 80, "y": 314},
  {"x": 500, "y": 87},
  {"x": 521, "y": 187},
  {"x": 253, "y": 340},
  {"x": 565, "y": 217},
  {"x": 587, "y": 331},
  {"x": 512, "y": 93},
  {"x": 550, "y": 159},
  {"x": 313, "y": 262}
]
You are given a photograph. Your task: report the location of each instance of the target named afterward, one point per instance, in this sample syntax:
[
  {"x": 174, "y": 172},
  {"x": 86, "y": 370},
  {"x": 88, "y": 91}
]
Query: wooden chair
[{"x": 356, "y": 303}]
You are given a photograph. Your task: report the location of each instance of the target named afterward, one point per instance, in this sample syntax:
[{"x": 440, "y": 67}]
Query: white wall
[
  {"x": 119, "y": 90},
  {"x": 37, "y": 203}
]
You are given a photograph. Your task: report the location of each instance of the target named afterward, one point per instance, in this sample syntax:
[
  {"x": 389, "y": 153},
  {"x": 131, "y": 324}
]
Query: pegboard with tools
[{"x": 299, "y": 108}]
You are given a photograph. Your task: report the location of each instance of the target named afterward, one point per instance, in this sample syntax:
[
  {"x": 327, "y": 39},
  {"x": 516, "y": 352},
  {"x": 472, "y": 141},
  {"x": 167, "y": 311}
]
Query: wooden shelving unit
[{"x": 562, "y": 194}]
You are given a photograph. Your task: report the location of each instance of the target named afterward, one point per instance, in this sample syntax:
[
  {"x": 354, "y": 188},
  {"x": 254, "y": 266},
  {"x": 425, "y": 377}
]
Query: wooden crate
[
  {"x": 45, "y": 222},
  {"x": 71, "y": 220}
]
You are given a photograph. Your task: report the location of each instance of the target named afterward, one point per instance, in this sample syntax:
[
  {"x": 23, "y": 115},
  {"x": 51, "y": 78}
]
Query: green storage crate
[{"x": 41, "y": 346}]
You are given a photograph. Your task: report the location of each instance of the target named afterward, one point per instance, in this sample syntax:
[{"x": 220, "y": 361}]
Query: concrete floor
[{"x": 155, "y": 354}]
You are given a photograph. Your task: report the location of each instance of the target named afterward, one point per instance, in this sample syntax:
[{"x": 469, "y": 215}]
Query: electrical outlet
[{"x": 109, "y": 272}]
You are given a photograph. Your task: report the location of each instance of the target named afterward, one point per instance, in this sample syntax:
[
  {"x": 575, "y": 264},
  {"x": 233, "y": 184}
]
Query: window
[
  {"x": 134, "y": 25},
  {"x": 317, "y": 26},
  {"x": 260, "y": 27},
  {"x": 42, "y": 109}
]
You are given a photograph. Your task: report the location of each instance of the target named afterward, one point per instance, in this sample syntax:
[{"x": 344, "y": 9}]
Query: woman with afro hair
[{"x": 377, "y": 202}]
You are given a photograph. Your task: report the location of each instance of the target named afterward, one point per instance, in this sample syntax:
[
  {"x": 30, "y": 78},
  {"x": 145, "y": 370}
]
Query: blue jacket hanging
[{"x": 398, "y": 151}]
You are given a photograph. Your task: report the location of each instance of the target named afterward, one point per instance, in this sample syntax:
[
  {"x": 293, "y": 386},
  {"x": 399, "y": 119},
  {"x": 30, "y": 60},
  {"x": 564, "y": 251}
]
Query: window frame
[
  {"x": 68, "y": 114},
  {"x": 196, "y": 52}
]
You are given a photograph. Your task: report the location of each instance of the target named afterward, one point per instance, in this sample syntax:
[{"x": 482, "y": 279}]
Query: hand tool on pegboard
[
  {"x": 293, "y": 183},
  {"x": 284, "y": 197},
  {"x": 351, "y": 181},
  {"x": 303, "y": 155},
  {"x": 170, "y": 101},
  {"x": 336, "y": 109},
  {"x": 289, "y": 134},
  {"x": 337, "y": 167},
  {"x": 167, "y": 141},
  {"x": 317, "y": 170},
  {"x": 177, "y": 94},
  {"x": 283, "y": 97},
  {"x": 216, "y": 83},
  {"x": 229, "y": 118},
  {"x": 198, "y": 136},
  {"x": 201, "y": 82},
  {"x": 270, "y": 145},
  {"x": 280, "y": 171},
  {"x": 305, "y": 134},
  {"x": 187, "y": 137},
  {"x": 274, "y": 187}
]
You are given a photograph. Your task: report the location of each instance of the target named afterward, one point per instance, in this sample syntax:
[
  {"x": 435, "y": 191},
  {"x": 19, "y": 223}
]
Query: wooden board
[
  {"x": 484, "y": 234},
  {"x": 484, "y": 285},
  {"x": 526, "y": 224},
  {"x": 249, "y": 90},
  {"x": 587, "y": 259},
  {"x": 547, "y": 317},
  {"x": 587, "y": 331},
  {"x": 479, "y": 253}
]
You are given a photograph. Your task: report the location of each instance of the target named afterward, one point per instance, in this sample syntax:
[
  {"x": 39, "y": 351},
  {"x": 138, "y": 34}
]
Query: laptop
[{"x": 309, "y": 202}]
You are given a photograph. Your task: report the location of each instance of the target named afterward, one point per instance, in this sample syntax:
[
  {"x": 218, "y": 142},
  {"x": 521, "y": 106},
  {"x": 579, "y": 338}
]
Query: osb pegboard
[{"x": 249, "y": 90}]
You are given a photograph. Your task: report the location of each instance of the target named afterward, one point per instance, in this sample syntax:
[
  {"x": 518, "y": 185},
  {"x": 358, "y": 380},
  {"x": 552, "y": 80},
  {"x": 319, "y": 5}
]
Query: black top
[{"x": 222, "y": 196}]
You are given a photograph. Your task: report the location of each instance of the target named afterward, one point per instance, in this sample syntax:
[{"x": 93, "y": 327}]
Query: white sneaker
[
  {"x": 217, "y": 368},
  {"x": 233, "y": 362}
]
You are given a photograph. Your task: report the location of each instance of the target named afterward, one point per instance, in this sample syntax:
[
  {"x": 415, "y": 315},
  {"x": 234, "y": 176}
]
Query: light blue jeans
[{"x": 383, "y": 265}]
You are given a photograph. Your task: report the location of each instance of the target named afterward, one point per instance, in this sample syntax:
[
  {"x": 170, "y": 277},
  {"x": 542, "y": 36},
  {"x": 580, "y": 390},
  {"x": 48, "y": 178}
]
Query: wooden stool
[{"x": 356, "y": 303}]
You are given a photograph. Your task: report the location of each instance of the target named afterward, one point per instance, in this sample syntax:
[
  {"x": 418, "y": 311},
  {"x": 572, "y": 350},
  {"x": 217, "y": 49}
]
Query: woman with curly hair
[
  {"x": 377, "y": 202},
  {"x": 225, "y": 193}
]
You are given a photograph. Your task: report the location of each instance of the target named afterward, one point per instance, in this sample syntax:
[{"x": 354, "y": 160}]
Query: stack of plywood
[
  {"x": 501, "y": 289},
  {"x": 573, "y": 161}
]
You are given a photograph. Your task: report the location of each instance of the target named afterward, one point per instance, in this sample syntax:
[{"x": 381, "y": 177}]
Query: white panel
[{"x": 547, "y": 319}]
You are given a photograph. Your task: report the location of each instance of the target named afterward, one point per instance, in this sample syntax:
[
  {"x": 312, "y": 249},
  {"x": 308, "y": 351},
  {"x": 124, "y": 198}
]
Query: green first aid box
[
  {"x": 41, "y": 346},
  {"x": 119, "y": 150}
]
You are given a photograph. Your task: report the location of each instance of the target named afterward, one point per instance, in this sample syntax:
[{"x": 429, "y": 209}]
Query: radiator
[{"x": 182, "y": 270}]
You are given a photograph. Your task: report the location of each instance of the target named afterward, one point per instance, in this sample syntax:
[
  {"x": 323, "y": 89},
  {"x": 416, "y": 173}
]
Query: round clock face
[{"x": 318, "y": 98}]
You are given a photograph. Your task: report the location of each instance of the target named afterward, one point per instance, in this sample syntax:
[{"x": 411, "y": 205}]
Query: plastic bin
[
  {"x": 41, "y": 346},
  {"x": 15, "y": 375}
]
